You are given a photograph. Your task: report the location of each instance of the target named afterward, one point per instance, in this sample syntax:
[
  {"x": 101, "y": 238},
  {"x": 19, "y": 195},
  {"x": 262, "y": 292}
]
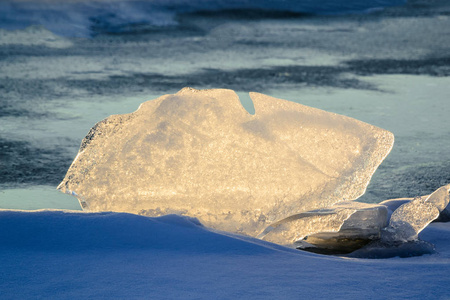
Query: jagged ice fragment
[
  {"x": 408, "y": 220},
  {"x": 200, "y": 153},
  {"x": 343, "y": 227}
]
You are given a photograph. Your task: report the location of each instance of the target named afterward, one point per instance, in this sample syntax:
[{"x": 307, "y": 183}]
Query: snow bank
[
  {"x": 55, "y": 230},
  {"x": 67, "y": 255}
]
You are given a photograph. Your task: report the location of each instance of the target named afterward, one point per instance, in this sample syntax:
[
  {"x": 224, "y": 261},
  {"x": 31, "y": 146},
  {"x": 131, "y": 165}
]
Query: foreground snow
[{"x": 68, "y": 255}]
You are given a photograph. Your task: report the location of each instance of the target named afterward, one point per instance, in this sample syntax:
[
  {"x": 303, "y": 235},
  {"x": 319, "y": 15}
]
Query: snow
[
  {"x": 199, "y": 153},
  {"x": 69, "y": 255}
]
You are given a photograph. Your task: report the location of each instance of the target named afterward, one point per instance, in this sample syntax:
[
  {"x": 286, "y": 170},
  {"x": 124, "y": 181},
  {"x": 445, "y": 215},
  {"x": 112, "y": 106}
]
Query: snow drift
[
  {"x": 67, "y": 255},
  {"x": 72, "y": 231}
]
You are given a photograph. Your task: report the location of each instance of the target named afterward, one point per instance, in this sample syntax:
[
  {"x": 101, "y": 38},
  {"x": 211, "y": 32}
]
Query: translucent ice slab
[
  {"x": 412, "y": 217},
  {"x": 336, "y": 228},
  {"x": 201, "y": 154}
]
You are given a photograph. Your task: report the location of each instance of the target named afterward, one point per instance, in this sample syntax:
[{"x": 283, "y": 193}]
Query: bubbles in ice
[{"x": 200, "y": 154}]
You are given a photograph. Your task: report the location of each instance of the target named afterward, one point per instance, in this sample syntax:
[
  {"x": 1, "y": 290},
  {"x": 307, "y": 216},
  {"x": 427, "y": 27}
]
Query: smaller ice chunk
[
  {"x": 440, "y": 198},
  {"x": 338, "y": 227},
  {"x": 367, "y": 220},
  {"x": 298, "y": 226},
  {"x": 409, "y": 219},
  {"x": 393, "y": 204},
  {"x": 412, "y": 217},
  {"x": 359, "y": 229}
]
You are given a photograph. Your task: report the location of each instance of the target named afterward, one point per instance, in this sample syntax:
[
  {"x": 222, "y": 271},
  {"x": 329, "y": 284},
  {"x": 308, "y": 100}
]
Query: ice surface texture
[
  {"x": 201, "y": 154},
  {"x": 412, "y": 217},
  {"x": 329, "y": 227}
]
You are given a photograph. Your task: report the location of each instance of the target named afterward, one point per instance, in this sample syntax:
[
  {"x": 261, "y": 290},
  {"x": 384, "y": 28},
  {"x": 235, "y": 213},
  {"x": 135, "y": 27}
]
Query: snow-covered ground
[{"x": 74, "y": 255}]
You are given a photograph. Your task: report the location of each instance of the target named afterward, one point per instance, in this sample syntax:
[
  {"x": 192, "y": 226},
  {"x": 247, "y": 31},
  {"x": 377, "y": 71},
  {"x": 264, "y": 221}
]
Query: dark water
[{"x": 90, "y": 17}]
